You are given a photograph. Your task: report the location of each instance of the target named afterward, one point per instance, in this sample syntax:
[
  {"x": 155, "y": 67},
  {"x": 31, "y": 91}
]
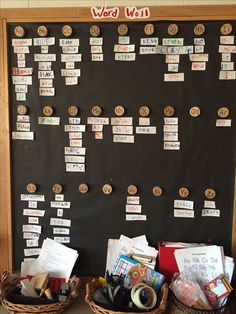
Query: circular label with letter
[
  {"x": 123, "y": 29},
  {"x": 183, "y": 192},
  {"x": 57, "y": 188},
  {"x": 31, "y": 187},
  {"x": 199, "y": 29},
  {"x": 226, "y": 29},
  {"x": 157, "y": 191},
  {"x": 223, "y": 112},
  {"x": 132, "y": 189},
  {"x": 67, "y": 30},
  {"x": 22, "y": 109},
  {"x": 119, "y": 111},
  {"x": 107, "y": 189},
  {"x": 149, "y": 29},
  {"x": 144, "y": 111},
  {"x": 169, "y": 111},
  {"x": 42, "y": 31},
  {"x": 83, "y": 188},
  {"x": 94, "y": 30},
  {"x": 96, "y": 111},
  {"x": 195, "y": 111},
  {"x": 210, "y": 193},
  {"x": 19, "y": 31},
  {"x": 73, "y": 111},
  {"x": 173, "y": 29},
  {"x": 48, "y": 111}
]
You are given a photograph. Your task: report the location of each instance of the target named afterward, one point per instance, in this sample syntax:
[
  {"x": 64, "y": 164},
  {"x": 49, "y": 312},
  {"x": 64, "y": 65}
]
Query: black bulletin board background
[{"x": 206, "y": 158}]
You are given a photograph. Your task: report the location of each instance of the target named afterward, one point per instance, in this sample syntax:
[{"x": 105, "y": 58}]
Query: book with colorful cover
[
  {"x": 122, "y": 268},
  {"x": 220, "y": 286},
  {"x": 134, "y": 272},
  {"x": 142, "y": 274}
]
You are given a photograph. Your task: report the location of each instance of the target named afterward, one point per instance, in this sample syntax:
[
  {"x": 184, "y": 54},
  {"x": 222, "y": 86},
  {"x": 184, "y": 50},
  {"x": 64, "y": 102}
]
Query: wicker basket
[
  {"x": 52, "y": 308},
  {"x": 177, "y": 307},
  {"x": 94, "y": 284}
]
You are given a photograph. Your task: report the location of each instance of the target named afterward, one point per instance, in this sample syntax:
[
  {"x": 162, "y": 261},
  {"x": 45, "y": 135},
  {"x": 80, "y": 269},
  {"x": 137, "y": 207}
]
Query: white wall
[{"x": 84, "y": 3}]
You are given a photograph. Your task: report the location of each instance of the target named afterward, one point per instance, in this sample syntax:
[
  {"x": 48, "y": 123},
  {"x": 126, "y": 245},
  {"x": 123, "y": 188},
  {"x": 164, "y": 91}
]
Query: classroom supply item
[
  {"x": 28, "y": 289},
  {"x": 123, "y": 267},
  {"x": 205, "y": 262},
  {"x": 64, "y": 292},
  {"x": 51, "y": 308},
  {"x": 219, "y": 286},
  {"x": 167, "y": 262},
  {"x": 217, "y": 291},
  {"x": 55, "y": 258},
  {"x": 40, "y": 281},
  {"x": 48, "y": 294},
  {"x": 189, "y": 292},
  {"x": 143, "y": 296},
  {"x": 142, "y": 274},
  {"x": 188, "y": 297},
  {"x": 130, "y": 246},
  {"x": 94, "y": 285}
]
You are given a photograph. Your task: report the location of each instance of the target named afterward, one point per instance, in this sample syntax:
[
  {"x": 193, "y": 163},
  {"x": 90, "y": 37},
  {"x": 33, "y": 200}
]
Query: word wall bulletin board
[{"x": 117, "y": 121}]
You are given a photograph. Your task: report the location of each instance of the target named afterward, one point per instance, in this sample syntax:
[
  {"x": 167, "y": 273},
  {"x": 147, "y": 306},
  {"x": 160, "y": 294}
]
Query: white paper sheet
[
  {"x": 96, "y": 41},
  {"x": 33, "y": 220},
  {"x": 70, "y": 49},
  {"x": 75, "y": 159},
  {"x": 185, "y": 204},
  {"x": 149, "y": 41},
  {"x": 55, "y": 258},
  {"x": 146, "y": 130},
  {"x": 59, "y": 197},
  {"x": 32, "y": 197},
  {"x": 123, "y": 40},
  {"x": 227, "y": 40},
  {"x": 183, "y": 213},
  {"x": 209, "y": 204},
  {"x": 144, "y": 121},
  {"x": 49, "y": 120},
  {"x": 133, "y": 208},
  {"x": 33, "y": 212},
  {"x": 22, "y": 42},
  {"x": 123, "y": 138},
  {"x": 171, "y": 146},
  {"x": 133, "y": 200},
  {"x": 122, "y": 129},
  {"x": 122, "y": 121},
  {"x": 74, "y": 128},
  {"x": 75, "y": 57},
  {"x": 74, "y": 150},
  {"x": 97, "y": 57},
  {"x": 206, "y": 262},
  {"x": 172, "y": 41},
  {"x": 71, "y": 42},
  {"x": 145, "y": 50},
  {"x": 72, "y": 167},
  {"x": 44, "y": 41},
  {"x": 21, "y": 64},
  {"x": 210, "y": 212},
  {"x": 97, "y": 120},
  {"x": 124, "y": 48},
  {"x": 125, "y": 56},
  {"x": 126, "y": 246},
  {"x": 55, "y": 204},
  {"x": 61, "y": 231}
]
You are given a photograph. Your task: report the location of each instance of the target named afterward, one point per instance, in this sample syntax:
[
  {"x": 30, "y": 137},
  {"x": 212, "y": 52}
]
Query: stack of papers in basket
[
  {"x": 134, "y": 248},
  {"x": 54, "y": 258}
]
